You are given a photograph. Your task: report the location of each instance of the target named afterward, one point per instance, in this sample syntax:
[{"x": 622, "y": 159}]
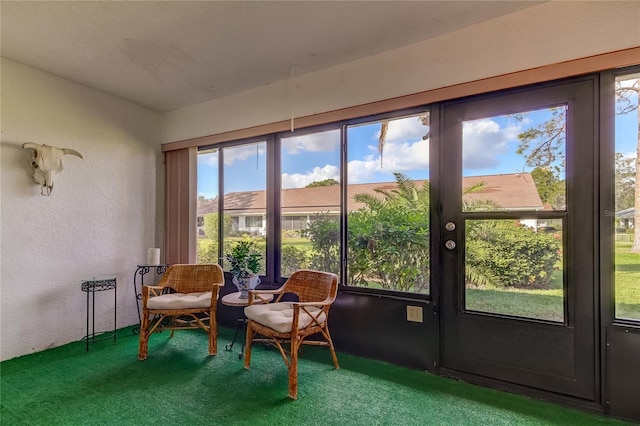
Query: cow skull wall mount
[{"x": 47, "y": 161}]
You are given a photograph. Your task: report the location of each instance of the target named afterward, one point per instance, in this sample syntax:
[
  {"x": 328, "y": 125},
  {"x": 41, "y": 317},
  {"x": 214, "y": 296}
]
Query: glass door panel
[
  {"x": 627, "y": 199},
  {"x": 515, "y": 164},
  {"x": 513, "y": 269}
]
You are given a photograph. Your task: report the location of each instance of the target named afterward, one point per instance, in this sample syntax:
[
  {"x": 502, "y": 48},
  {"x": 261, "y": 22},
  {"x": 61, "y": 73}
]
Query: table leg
[
  {"x": 86, "y": 337},
  {"x": 244, "y": 337},
  {"x": 93, "y": 316},
  {"x": 240, "y": 323}
]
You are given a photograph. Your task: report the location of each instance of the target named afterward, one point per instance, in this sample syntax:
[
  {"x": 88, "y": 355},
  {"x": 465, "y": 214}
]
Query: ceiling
[{"x": 168, "y": 54}]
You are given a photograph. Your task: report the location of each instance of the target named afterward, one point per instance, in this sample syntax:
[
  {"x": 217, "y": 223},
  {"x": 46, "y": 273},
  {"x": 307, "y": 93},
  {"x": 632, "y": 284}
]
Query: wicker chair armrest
[
  {"x": 151, "y": 291},
  {"x": 299, "y": 308},
  {"x": 215, "y": 291},
  {"x": 255, "y": 294},
  {"x": 316, "y": 304}
]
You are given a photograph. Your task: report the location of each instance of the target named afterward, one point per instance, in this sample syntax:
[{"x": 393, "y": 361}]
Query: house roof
[
  {"x": 626, "y": 213},
  {"x": 516, "y": 191},
  {"x": 510, "y": 191}
]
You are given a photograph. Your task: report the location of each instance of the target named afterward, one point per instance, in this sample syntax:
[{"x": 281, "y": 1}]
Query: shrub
[
  {"x": 389, "y": 248},
  {"x": 292, "y": 259},
  {"x": 324, "y": 234},
  {"x": 513, "y": 255},
  {"x": 207, "y": 251}
]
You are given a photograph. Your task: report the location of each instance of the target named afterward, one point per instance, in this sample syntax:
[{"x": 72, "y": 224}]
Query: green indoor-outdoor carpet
[{"x": 180, "y": 384}]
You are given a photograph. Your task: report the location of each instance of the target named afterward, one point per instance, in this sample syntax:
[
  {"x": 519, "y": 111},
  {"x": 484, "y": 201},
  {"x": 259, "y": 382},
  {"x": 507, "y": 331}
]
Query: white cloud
[
  {"x": 209, "y": 159},
  {"x": 404, "y": 130},
  {"x": 299, "y": 180},
  {"x": 397, "y": 157},
  {"x": 363, "y": 171},
  {"x": 242, "y": 152},
  {"x": 485, "y": 141},
  {"x": 315, "y": 142}
]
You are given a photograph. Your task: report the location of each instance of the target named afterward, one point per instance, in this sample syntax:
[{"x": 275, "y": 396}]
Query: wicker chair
[
  {"x": 185, "y": 298},
  {"x": 292, "y": 322}
]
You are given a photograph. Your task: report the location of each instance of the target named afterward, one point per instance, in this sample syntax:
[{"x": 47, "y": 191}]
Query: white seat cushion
[
  {"x": 180, "y": 301},
  {"x": 279, "y": 316}
]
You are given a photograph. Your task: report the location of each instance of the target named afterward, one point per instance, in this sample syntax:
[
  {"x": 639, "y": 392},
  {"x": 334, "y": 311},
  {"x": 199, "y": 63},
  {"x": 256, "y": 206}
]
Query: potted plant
[{"x": 245, "y": 263}]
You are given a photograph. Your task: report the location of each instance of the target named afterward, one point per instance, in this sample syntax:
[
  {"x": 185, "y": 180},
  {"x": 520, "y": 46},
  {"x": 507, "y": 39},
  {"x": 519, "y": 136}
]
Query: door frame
[{"x": 576, "y": 341}]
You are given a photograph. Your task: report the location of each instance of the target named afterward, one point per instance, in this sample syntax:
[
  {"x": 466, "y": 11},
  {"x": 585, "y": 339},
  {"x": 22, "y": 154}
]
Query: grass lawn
[
  {"x": 540, "y": 304},
  {"x": 627, "y": 281},
  {"x": 547, "y": 304}
]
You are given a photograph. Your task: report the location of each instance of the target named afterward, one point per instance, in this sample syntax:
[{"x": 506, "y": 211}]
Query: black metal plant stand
[
  {"x": 91, "y": 287},
  {"x": 138, "y": 282}
]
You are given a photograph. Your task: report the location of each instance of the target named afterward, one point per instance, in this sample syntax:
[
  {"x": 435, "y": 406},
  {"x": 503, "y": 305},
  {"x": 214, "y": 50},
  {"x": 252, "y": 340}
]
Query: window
[
  {"x": 388, "y": 204},
  {"x": 627, "y": 198},
  {"x": 207, "y": 206},
  {"x": 310, "y": 202},
  {"x": 295, "y": 223},
  {"x": 243, "y": 205},
  {"x": 254, "y": 224},
  {"x": 354, "y": 197}
]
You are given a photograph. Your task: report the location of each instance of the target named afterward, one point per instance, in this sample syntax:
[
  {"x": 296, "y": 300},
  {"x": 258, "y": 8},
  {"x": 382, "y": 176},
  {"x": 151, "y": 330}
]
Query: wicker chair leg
[
  {"x": 143, "y": 345},
  {"x": 333, "y": 351},
  {"x": 293, "y": 369},
  {"x": 213, "y": 331},
  {"x": 247, "y": 346}
]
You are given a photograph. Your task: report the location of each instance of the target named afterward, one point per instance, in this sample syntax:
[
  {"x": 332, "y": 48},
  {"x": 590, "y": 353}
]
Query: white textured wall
[
  {"x": 100, "y": 220},
  {"x": 541, "y": 35}
]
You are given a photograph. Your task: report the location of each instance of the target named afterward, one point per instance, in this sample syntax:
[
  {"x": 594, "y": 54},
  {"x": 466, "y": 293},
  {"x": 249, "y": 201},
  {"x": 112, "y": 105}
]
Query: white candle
[{"x": 153, "y": 256}]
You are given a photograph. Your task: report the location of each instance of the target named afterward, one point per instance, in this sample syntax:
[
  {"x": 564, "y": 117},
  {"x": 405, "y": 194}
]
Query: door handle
[
  {"x": 450, "y": 226},
  {"x": 450, "y": 244}
]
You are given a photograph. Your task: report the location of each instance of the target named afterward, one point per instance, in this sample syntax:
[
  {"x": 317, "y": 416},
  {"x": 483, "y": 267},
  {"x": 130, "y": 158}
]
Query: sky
[{"x": 489, "y": 147}]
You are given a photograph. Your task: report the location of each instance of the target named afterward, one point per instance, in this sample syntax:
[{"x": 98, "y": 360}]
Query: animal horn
[
  {"x": 31, "y": 145},
  {"x": 71, "y": 152}
]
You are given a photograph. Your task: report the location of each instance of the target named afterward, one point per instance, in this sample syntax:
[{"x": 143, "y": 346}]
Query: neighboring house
[
  {"x": 300, "y": 206},
  {"x": 625, "y": 218}
]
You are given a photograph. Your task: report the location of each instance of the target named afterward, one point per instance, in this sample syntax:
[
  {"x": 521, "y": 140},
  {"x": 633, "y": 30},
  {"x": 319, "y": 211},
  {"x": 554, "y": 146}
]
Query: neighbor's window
[
  {"x": 310, "y": 202},
  {"x": 388, "y": 204},
  {"x": 627, "y": 199}
]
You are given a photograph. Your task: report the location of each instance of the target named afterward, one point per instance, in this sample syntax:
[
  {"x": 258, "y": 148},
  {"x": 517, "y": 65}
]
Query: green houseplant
[{"x": 244, "y": 259}]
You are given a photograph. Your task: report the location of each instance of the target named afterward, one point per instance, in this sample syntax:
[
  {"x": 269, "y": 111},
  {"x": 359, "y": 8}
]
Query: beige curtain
[{"x": 180, "y": 219}]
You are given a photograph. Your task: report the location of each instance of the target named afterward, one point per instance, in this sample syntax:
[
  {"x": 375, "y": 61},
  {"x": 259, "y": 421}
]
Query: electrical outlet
[{"x": 414, "y": 313}]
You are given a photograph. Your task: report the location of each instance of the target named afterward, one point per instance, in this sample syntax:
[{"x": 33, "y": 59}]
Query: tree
[
  {"x": 550, "y": 188},
  {"x": 210, "y": 225},
  {"x": 543, "y": 145},
  {"x": 627, "y": 100},
  {"x": 384, "y": 127},
  {"x": 625, "y": 182},
  {"x": 324, "y": 233},
  {"x": 326, "y": 182}
]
